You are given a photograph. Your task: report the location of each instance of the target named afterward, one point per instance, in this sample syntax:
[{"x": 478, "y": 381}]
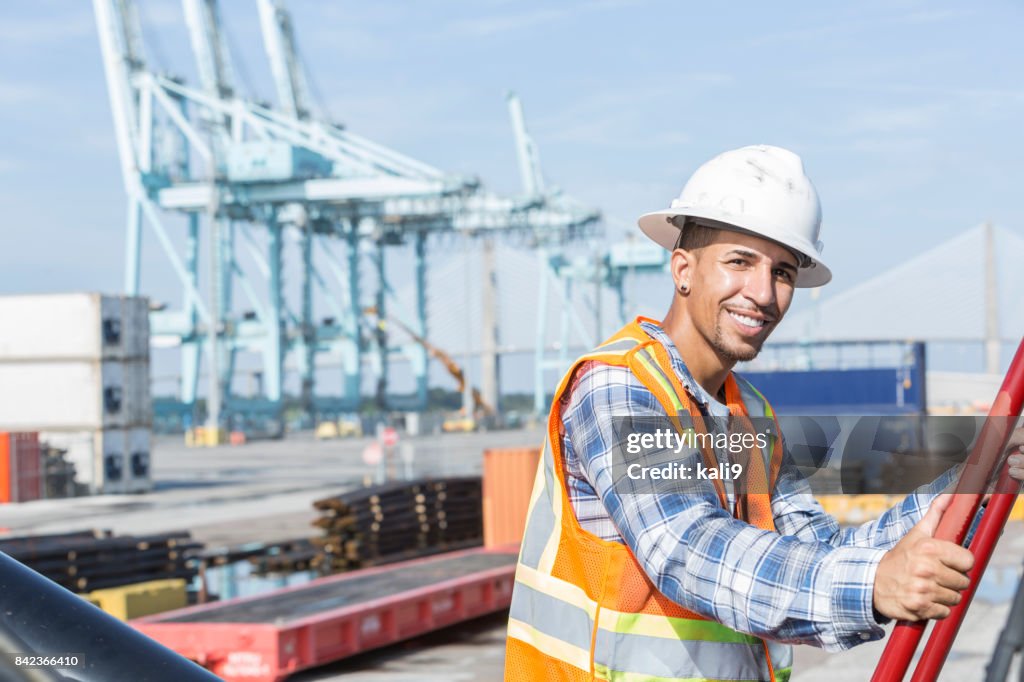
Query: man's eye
[
  {"x": 784, "y": 274},
  {"x": 739, "y": 261}
]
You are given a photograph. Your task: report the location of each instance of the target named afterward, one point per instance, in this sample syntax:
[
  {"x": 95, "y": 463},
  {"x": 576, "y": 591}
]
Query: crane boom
[
  {"x": 526, "y": 150},
  {"x": 212, "y": 58},
  {"x": 449, "y": 364},
  {"x": 279, "y": 41}
]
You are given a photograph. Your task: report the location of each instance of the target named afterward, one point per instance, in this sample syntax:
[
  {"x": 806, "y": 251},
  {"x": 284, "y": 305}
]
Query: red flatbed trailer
[{"x": 267, "y": 637}]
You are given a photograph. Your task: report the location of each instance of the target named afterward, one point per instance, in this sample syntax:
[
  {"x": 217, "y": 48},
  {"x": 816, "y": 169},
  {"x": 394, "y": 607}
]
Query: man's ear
[{"x": 681, "y": 265}]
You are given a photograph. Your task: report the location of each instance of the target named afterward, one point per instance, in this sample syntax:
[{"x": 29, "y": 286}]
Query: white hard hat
[{"x": 760, "y": 189}]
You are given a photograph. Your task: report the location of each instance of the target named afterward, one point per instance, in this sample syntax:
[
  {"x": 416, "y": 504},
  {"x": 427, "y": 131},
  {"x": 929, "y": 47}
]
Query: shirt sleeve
[
  {"x": 797, "y": 513},
  {"x": 786, "y": 588}
]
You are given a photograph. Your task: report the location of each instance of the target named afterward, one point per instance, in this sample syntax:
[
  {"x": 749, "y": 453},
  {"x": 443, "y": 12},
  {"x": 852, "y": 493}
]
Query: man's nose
[{"x": 760, "y": 287}]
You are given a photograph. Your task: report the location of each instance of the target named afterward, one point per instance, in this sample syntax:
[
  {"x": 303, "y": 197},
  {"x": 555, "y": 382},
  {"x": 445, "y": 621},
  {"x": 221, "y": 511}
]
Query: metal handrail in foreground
[
  {"x": 987, "y": 457},
  {"x": 40, "y": 618}
]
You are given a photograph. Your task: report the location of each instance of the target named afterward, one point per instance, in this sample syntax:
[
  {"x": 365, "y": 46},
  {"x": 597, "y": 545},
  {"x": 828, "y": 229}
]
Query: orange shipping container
[
  {"x": 20, "y": 467},
  {"x": 508, "y": 482}
]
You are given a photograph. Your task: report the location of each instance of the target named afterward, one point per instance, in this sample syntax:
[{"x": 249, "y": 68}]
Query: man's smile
[{"x": 749, "y": 322}]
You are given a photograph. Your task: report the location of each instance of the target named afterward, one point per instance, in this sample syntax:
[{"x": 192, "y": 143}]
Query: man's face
[{"x": 740, "y": 287}]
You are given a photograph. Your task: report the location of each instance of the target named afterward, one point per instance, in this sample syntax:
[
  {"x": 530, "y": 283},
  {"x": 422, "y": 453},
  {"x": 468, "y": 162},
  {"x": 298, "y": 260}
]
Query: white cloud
[
  {"x": 348, "y": 42},
  {"x": 957, "y": 104},
  {"x": 619, "y": 197},
  {"x": 615, "y": 4},
  {"x": 52, "y": 29},
  {"x": 892, "y": 119},
  {"x": 13, "y": 94},
  {"x": 932, "y": 16},
  {"x": 801, "y": 35},
  {"x": 892, "y": 180},
  {"x": 886, "y": 145},
  {"x": 618, "y": 130},
  {"x": 425, "y": 110},
  {"x": 709, "y": 77},
  {"x": 487, "y": 26},
  {"x": 899, "y": 88},
  {"x": 504, "y": 23},
  {"x": 811, "y": 34},
  {"x": 607, "y": 118}
]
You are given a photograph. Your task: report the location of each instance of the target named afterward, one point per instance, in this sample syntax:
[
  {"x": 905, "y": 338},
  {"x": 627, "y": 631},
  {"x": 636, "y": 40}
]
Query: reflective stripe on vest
[{"x": 582, "y": 607}]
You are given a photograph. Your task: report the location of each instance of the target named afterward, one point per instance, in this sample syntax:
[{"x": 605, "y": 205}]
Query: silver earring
[{"x": 683, "y": 289}]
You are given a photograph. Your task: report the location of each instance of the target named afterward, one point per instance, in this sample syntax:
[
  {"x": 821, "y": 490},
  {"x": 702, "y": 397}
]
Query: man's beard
[{"x": 731, "y": 354}]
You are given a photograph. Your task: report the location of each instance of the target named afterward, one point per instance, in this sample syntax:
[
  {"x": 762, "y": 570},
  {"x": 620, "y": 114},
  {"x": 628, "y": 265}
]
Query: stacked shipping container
[{"x": 75, "y": 368}]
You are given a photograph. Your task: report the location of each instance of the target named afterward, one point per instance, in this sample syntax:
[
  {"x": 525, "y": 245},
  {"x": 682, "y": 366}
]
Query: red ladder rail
[{"x": 986, "y": 457}]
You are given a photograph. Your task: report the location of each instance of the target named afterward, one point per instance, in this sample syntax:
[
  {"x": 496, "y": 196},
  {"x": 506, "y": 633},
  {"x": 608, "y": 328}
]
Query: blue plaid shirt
[{"x": 811, "y": 582}]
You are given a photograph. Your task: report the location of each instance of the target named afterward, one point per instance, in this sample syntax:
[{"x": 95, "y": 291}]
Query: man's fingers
[
  {"x": 936, "y": 606},
  {"x": 946, "y": 597},
  {"x": 956, "y": 557},
  {"x": 962, "y": 562},
  {"x": 1015, "y": 446},
  {"x": 1016, "y": 463},
  {"x": 951, "y": 579}
]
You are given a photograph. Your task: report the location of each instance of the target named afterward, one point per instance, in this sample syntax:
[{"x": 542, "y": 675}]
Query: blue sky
[{"x": 907, "y": 114}]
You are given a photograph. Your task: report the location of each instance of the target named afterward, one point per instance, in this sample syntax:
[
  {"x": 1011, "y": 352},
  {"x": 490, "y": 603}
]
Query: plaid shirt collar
[{"x": 708, "y": 404}]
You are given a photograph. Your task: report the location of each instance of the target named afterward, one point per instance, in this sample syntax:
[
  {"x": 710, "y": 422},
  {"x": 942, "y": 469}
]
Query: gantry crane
[
  {"x": 566, "y": 264},
  {"x": 251, "y": 175}
]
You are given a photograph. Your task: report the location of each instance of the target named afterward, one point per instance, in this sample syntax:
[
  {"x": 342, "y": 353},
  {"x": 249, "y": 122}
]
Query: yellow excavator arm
[{"x": 479, "y": 404}]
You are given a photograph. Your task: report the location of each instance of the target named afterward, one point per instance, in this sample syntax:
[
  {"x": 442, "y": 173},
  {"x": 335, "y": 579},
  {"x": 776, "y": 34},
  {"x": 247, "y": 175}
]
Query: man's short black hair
[{"x": 693, "y": 235}]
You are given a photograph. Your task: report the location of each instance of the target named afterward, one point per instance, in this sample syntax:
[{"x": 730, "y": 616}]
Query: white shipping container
[
  {"x": 138, "y": 402},
  {"x": 98, "y": 456},
  {"x": 136, "y": 327},
  {"x": 74, "y": 396},
  {"x": 83, "y": 326},
  {"x": 139, "y": 477}
]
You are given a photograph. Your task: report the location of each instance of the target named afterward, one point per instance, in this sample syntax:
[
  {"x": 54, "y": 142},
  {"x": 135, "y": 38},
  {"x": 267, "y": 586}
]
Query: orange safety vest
[{"x": 583, "y": 608}]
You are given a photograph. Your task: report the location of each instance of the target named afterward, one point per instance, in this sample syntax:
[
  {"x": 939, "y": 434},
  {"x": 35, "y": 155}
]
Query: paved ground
[
  {"x": 262, "y": 491},
  {"x": 269, "y": 485}
]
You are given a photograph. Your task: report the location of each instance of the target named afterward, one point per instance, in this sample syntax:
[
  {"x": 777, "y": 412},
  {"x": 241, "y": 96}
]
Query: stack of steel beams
[
  {"x": 92, "y": 560},
  {"x": 397, "y": 521},
  {"x": 287, "y": 556}
]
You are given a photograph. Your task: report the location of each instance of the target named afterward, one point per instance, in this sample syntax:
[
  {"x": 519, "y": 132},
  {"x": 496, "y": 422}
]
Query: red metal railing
[{"x": 986, "y": 457}]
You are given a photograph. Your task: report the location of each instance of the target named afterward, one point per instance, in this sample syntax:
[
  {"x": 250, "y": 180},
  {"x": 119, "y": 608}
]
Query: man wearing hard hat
[{"x": 712, "y": 584}]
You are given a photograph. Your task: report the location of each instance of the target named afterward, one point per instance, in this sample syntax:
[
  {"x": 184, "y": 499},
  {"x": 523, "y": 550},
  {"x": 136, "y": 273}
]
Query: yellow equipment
[
  {"x": 479, "y": 404},
  {"x": 140, "y": 599}
]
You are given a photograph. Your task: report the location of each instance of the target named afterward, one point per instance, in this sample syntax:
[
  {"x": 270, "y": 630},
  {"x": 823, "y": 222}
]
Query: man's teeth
[{"x": 748, "y": 321}]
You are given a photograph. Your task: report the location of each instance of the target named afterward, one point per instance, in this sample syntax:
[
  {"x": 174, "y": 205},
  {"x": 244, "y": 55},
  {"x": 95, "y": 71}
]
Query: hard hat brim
[{"x": 658, "y": 226}]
